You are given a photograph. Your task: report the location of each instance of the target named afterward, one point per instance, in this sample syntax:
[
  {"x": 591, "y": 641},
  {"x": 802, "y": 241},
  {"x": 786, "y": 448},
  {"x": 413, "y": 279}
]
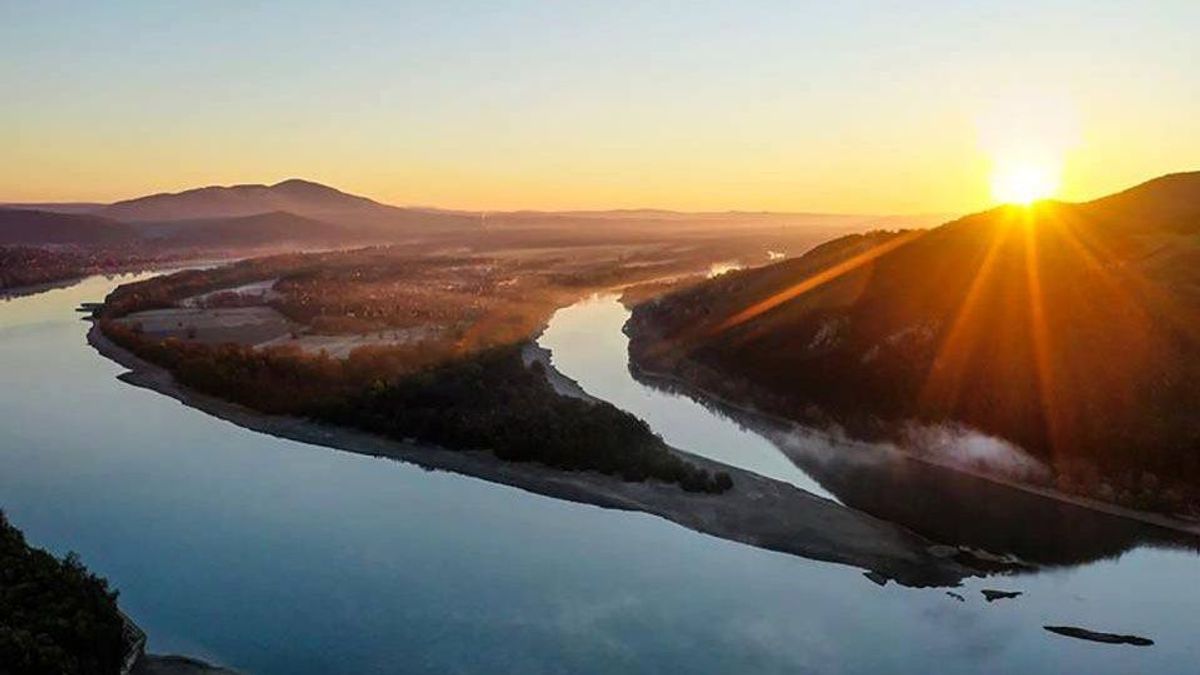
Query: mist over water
[
  {"x": 971, "y": 450},
  {"x": 946, "y": 445},
  {"x": 588, "y": 345}
]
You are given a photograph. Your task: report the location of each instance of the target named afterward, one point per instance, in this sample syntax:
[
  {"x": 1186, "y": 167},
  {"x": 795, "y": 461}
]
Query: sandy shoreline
[{"x": 758, "y": 511}]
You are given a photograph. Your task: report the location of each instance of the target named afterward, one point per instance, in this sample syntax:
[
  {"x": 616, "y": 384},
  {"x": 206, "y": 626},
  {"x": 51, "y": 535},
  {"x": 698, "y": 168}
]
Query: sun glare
[
  {"x": 1024, "y": 183},
  {"x": 1028, "y": 133}
]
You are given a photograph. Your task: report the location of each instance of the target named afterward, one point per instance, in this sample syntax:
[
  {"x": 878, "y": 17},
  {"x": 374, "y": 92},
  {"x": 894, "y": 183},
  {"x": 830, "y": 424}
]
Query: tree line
[
  {"x": 55, "y": 615},
  {"x": 482, "y": 401}
]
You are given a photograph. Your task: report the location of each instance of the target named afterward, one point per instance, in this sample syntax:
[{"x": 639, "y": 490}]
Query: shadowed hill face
[
  {"x": 20, "y": 227},
  {"x": 1072, "y": 330},
  {"x": 29, "y": 227},
  {"x": 56, "y": 207},
  {"x": 266, "y": 228}
]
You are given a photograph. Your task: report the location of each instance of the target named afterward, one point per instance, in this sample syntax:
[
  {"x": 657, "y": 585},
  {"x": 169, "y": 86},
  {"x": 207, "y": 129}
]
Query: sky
[{"x": 855, "y": 106}]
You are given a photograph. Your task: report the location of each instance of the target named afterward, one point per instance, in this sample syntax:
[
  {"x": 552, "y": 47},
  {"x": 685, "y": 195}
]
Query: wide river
[{"x": 272, "y": 556}]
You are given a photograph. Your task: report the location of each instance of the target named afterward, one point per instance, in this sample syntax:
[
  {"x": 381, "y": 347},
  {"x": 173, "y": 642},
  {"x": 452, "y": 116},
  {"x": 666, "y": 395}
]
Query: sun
[
  {"x": 1029, "y": 134},
  {"x": 1024, "y": 183}
]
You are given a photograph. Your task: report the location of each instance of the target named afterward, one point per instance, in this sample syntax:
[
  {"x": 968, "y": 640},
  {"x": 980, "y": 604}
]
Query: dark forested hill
[
  {"x": 24, "y": 227},
  {"x": 31, "y": 227},
  {"x": 55, "y": 616},
  {"x": 1070, "y": 329}
]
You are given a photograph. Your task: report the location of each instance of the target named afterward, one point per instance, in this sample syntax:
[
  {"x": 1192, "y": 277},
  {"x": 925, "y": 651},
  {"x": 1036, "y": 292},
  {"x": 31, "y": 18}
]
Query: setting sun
[{"x": 1024, "y": 183}]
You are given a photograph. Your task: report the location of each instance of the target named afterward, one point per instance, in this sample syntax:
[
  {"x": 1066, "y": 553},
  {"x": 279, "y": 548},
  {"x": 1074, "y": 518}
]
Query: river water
[{"x": 272, "y": 556}]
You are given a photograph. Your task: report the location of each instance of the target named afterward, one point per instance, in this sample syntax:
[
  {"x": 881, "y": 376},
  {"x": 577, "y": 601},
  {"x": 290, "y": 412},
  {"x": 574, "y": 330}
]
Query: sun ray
[
  {"x": 1040, "y": 336},
  {"x": 819, "y": 279},
  {"x": 942, "y": 381},
  {"x": 1138, "y": 296}
]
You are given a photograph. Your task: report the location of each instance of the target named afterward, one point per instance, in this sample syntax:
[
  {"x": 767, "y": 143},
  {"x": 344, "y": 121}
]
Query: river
[{"x": 272, "y": 556}]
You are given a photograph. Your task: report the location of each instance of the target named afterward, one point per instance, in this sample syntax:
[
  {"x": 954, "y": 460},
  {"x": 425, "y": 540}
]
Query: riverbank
[
  {"x": 11, "y": 292},
  {"x": 768, "y": 422},
  {"x": 163, "y": 267},
  {"x": 69, "y": 280},
  {"x": 758, "y": 511}
]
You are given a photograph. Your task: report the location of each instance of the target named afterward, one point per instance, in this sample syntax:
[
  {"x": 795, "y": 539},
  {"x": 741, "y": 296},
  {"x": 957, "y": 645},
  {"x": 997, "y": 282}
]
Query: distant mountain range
[
  {"x": 1070, "y": 329},
  {"x": 303, "y": 212},
  {"x": 294, "y": 196},
  {"x": 293, "y": 211},
  {"x": 349, "y": 213}
]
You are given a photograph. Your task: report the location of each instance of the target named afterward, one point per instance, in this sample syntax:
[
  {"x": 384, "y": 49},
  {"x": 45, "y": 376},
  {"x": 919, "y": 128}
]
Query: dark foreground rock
[
  {"x": 992, "y": 595},
  {"x": 876, "y": 578},
  {"x": 151, "y": 664},
  {"x": 1094, "y": 636}
]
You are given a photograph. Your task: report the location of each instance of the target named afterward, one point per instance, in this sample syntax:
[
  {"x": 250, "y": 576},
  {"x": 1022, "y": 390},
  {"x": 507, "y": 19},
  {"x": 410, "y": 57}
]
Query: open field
[{"x": 244, "y": 325}]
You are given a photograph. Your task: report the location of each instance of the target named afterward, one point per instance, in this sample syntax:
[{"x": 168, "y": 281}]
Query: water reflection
[
  {"x": 587, "y": 345},
  {"x": 955, "y": 508},
  {"x": 938, "y": 503},
  {"x": 278, "y": 557}
]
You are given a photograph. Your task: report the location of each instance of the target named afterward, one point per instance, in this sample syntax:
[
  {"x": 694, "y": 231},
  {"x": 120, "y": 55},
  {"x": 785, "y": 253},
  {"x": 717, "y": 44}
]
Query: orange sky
[{"x": 863, "y": 109}]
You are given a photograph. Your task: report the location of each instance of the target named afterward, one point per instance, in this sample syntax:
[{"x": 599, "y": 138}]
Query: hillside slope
[
  {"x": 1070, "y": 329},
  {"x": 272, "y": 228}
]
